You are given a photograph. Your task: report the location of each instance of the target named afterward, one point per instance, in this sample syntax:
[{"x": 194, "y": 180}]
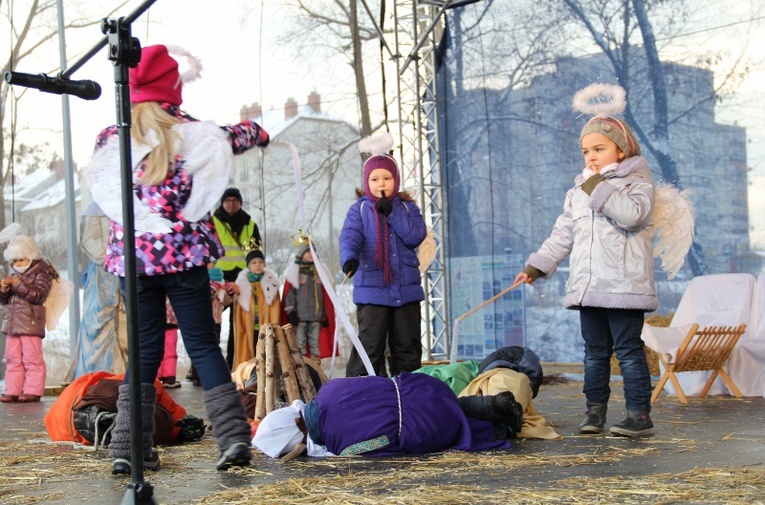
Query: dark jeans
[
  {"x": 606, "y": 331},
  {"x": 189, "y": 294},
  {"x": 400, "y": 327}
]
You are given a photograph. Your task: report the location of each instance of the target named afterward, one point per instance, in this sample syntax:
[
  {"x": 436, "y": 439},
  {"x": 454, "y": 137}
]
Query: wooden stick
[
  {"x": 286, "y": 364},
  {"x": 260, "y": 371},
  {"x": 304, "y": 378},
  {"x": 294, "y": 453},
  {"x": 271, "y": 379},
  {"x": 487, "y": 302}
]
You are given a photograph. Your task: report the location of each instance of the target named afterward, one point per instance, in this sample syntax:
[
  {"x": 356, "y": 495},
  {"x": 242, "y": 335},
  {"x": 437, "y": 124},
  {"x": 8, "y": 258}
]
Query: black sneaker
[
  {"x": 122, "y": 466},
  {"x": 637, "y": 424},
  {"x": 238, "y": 454}
]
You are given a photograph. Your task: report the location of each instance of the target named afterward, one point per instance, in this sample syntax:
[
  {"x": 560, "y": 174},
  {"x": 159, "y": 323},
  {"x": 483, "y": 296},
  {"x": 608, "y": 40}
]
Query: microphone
[{"x": 87, "y": 90}]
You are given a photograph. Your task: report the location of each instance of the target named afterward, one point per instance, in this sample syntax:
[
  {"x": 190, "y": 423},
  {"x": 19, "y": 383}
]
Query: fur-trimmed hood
[{"x": 269, "y": 284}]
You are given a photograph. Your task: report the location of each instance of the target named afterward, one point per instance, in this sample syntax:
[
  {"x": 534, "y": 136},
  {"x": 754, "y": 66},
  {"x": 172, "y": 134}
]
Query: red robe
[{"x": 326, "y": 334}]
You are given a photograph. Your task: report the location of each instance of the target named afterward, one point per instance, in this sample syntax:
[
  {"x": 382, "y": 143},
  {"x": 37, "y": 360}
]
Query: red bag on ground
[{"x": 59, "y": 421}]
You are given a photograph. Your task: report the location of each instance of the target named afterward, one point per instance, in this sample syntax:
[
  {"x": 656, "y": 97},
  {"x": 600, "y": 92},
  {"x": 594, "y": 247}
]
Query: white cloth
[
  {"x": 709, "y": 300},
  {"x": 278, "y": 434},
  {"x": 747, "y": 362}
]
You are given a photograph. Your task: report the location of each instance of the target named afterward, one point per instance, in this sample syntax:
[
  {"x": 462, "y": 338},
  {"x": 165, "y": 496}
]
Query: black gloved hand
[
  {"x": 383, "y": 205},
  {"x": 293, "y": 318},
  {"x": 350, "y": 267},
  {"x": 325, "y": 322}
]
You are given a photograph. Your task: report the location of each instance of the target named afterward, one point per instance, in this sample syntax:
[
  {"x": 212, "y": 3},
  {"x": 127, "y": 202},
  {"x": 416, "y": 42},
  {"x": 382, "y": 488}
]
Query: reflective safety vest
[{"x": 234, "y": 256}]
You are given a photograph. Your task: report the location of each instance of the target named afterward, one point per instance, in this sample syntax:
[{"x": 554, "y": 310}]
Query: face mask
[{"x": 21, "y": 270}]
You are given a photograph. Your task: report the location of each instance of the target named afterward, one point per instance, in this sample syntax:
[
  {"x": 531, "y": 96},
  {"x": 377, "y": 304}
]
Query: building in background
[
  {"x": 38, "y": 203},
  {"x": 511, "y": 155},
  {"x": 330, "y": 168}
]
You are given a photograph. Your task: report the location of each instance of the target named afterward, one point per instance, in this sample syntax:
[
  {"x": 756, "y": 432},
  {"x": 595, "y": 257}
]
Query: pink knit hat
[
  {"x": 156, "y": 78},
  {"x": 386, "y": 162}
]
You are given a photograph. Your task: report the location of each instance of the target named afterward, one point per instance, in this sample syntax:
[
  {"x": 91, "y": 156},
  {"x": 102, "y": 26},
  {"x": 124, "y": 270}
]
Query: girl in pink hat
[{"x": 181, "y": 168}]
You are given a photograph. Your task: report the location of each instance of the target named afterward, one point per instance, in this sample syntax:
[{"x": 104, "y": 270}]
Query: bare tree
[
  {"x": 613, "y": 26},
  {"x": 337, "y": 28},
  {"x": 32, "y": 28},
  {"x": 514, "y": 45}
]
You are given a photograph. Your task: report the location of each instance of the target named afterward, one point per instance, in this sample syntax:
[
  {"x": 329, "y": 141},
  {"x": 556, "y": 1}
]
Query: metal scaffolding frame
[{"x": 412, "y": 44}]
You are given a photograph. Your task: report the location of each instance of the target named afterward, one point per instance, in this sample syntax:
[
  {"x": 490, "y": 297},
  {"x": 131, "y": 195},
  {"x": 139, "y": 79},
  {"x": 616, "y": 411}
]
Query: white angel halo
[
  {"x": 190, "y": 67},
  {"x": 377, "y": 144},
  {"x": 600, "y": 99}
]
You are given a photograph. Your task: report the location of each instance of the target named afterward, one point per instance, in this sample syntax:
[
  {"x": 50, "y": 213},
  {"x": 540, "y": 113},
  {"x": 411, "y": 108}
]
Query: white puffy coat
[{"x": 609, "y": 235}]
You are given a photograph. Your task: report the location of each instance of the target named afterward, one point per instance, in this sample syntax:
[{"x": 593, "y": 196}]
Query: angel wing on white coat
[{"x": 208, "y": 158}]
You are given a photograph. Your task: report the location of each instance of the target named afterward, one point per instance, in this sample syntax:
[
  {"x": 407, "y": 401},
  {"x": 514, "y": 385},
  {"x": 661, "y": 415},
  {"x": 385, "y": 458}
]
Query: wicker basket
[{"x": 651, "y": 357}]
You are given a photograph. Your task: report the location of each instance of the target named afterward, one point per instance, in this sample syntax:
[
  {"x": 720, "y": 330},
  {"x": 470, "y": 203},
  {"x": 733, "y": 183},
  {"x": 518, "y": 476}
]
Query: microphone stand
[{"x": 125, "y": 52}]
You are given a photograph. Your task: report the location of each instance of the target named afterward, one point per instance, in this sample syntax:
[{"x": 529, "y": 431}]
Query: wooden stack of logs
[{"x": 277, "y": 360}]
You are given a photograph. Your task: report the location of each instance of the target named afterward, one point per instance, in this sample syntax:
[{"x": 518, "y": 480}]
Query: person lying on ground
[{"x": 379, "y": 416}]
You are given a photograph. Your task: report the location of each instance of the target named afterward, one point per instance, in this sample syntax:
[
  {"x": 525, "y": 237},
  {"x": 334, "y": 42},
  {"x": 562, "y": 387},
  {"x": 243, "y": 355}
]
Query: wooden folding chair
[{"x": 701, "y": 351}]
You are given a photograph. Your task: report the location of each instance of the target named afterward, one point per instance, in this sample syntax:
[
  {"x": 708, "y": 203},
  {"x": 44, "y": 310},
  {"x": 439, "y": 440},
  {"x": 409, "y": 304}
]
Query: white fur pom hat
[{"x": 22, "y": 247}]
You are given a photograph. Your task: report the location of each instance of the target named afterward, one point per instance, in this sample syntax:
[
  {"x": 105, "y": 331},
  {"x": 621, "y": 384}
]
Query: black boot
[
  {"x": 637, "y": 424},
  {"x": 594, "y": 420},
  {"x": 229, "y": 424},
  {"x": 119, "y": 447},
  {"x": 505, "y": 409}
]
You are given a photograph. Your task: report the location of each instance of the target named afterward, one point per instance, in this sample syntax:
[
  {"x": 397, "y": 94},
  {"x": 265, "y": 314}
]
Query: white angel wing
[
  {"x": 102, "y": 175},
  {"x": 10, "y": 232},
  {"x": 58, "y": 299},
  {"x": 426, "y": 252},
  {"x": 674, "y": 215},
  {"x": 210, "y": 160}
]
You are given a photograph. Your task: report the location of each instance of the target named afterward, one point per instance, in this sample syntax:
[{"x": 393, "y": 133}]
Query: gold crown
[
  {"x": 301, "y": 238},
  {"x": 252, "y": 245}
]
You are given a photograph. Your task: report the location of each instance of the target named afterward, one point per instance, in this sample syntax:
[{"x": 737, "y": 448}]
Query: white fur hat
[{"x": 22, "y": 247}]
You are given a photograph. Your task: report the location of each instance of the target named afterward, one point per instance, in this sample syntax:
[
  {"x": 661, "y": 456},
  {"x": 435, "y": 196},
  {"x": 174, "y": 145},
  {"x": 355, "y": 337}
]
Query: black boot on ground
[
  {"x": 637, "y": 424},
  {"x": 594, "y": 419},
  {"x": 505, "y": 409}
]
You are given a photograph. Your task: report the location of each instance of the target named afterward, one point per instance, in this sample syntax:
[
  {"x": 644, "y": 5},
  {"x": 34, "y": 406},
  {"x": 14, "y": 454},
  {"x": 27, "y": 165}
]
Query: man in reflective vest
[{"x": 238, "y": 234}]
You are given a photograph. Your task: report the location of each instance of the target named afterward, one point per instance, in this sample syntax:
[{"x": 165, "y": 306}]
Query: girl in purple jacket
[{"x": 377, "y": 248}]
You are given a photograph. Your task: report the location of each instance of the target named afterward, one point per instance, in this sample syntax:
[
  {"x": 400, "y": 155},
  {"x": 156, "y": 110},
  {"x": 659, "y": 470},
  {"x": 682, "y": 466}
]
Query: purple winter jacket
[{"x": 407, "y": 230}]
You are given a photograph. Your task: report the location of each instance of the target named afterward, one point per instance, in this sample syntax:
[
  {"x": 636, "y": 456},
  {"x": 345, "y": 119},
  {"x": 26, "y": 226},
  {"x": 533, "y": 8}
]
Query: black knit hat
[
  {"x": 229, "y": 193},
  {"x": 256, "y": 253}
]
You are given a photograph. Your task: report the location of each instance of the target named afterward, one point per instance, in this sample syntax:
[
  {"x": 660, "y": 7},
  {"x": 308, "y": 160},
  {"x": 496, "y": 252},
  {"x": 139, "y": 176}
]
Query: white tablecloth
[{"x": 718, "y": 300}]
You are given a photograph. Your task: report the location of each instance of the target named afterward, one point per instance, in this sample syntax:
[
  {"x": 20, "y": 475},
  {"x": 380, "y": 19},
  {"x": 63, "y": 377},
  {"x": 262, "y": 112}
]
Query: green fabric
[
  {"x": 533, "y": 272},
  {"x": 365, "y": 446},
  {"x": 589, "y": 185},
  {"x": 457, "y": 376}
]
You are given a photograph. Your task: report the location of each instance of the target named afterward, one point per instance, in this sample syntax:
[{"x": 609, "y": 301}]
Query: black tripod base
[{"x": 139, "y": 494}]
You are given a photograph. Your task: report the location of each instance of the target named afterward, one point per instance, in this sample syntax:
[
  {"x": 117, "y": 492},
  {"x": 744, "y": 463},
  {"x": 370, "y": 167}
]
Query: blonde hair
[{"x": 149, "y": 116}]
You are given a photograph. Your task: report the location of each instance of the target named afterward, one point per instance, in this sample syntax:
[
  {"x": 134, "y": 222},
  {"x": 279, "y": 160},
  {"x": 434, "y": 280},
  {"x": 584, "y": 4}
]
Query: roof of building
[{"x": 52, "y": 196}]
